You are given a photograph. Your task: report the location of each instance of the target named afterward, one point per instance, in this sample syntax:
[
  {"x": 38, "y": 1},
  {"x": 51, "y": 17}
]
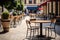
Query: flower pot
[
  {"x": 15, "y": 18},
  {"x": 5, "y": 24}
]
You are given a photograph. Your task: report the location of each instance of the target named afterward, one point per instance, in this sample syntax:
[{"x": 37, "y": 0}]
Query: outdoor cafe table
[{"x": 41, "y": 21}]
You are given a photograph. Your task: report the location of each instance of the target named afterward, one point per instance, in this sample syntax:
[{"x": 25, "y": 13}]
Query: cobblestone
[{"x": 18, "y": 33}]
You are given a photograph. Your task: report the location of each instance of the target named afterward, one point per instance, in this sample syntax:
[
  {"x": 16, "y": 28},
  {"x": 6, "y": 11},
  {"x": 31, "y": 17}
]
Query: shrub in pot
[
  {"x": 14, "y": 13},
  {"x": 15, "y": 17},
  {"x": 5, "y": 21},
  {"x": 18, "y": 13},
  {"x": 5, "y": 15}
]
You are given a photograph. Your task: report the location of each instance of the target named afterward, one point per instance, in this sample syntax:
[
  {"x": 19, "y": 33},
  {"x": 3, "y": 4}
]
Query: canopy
[
  {"x": 43, "y": 3},
  {"x": 31, "y": 8},
  {"x": 40, "y": 8},
  {"x": 53, "y": 0}
]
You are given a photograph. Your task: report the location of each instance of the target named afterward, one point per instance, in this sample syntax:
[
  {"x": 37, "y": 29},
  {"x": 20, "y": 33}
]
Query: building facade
[
  {"x": 43, "y": 5},
  {"x": 50, "y": 6},
  {"x": 32, "y": 5},
  {"x": 54, "y": 7}
]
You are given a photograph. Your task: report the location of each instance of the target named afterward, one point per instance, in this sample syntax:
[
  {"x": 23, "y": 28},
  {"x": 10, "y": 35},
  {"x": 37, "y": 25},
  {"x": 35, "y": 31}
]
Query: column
[
  {"x": 59, "y": 8},
  {"x": 37, "y": 1},
  {"x": 51, "y": 6},
  {"x": 27, "y": 1},
  {"x": 32, "y": 1},
  {"x": 56, "y": 8},
  {"x": 47, "y": 8}
]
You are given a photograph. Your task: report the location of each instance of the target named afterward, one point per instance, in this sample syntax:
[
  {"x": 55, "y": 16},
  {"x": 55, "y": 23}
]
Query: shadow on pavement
[
  {"x": 3, "y": 32},
  {"x": 41, "y": 38}
]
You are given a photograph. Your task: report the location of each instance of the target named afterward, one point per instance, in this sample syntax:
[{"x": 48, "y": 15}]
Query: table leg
[
  {"x": 41, "y": 35},
  {"x": 40, "y": 29}
]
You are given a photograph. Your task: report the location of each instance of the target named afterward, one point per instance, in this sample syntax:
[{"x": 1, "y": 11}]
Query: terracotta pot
[
  {"x": 5, "y": 24},
  {"x": 18, "y": 18}
]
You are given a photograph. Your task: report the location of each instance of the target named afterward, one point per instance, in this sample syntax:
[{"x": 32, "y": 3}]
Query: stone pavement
[{"x": 18, "y": 33}]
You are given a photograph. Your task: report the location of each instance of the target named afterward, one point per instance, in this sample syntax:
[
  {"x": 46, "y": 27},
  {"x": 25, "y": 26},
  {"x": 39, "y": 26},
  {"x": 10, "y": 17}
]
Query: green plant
[
  {"x": 20, "y": 5},
  {"x": 14, "y": 13},
  {"x": 18, "y": 13},
  {"x": 5, "y": 3},
  {"x": 5, "y": 15}
]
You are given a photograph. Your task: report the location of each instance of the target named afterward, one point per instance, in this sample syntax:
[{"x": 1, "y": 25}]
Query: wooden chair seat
[
  {"x": 32, "y": 29},
  {"x": 50, "y": 27}
]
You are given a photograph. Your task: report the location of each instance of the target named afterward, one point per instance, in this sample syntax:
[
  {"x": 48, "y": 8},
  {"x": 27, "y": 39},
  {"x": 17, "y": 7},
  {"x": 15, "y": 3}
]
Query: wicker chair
[
  {"x": 32, "y": 29},
  {"x": 52, "y": 26}
]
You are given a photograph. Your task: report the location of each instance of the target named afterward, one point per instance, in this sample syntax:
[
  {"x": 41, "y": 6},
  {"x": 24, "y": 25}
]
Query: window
[
  {"x": 25, "y": 2},
  {"x": 30, "y": 1},
  {"x": 40, "y": 0},
  {"x": 34, "y": 1}
]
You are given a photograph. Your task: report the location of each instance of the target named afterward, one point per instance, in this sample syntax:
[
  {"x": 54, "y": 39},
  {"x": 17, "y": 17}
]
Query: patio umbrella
[{"x": 40, "y": 8}]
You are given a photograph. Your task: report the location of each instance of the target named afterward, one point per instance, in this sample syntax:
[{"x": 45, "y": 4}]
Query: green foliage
[
  {"x": 7, "y": 4},
  {"x": 18, "y": 13},
  {"x": 12, "y": 4},
  {"x": 20, "y": 6},
  {"x": 14, "y": 13},
  {"x": 5, "y": 15},
  {"x": 2, "y": 2}
]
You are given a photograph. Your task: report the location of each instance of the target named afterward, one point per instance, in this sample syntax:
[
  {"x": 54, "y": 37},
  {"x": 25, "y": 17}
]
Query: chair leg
[
  {"x": 33, "y": 34},
  {"x": 27, "y": 33},
  {"x": 30, "y": 33},
  {"x": 51, "y": 32},
  {"x": 48, "y": 32},
  {"x": 55, "y": 32},
  {"x": 45, "y": 31},
  {"x": 38, "y": 31}
]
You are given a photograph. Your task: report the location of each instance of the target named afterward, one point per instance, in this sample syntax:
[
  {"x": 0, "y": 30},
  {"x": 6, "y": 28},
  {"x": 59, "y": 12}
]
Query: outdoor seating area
[
  {"x": 48, "y": 30},
  {"x": 14, "y": 20},
  {"x": 34, "y": 29},
  {"x": 29, "y": 19}
]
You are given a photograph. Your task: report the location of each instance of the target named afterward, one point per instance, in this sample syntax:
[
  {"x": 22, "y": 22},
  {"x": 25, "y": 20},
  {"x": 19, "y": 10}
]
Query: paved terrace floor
[{"x": 19, "y": 33}]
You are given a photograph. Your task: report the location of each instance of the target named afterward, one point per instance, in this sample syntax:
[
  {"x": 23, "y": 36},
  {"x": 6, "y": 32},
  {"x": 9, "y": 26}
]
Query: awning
[
  {"x": 43, "y": 3},
  {"x": 31, "y": 8},
  {"x": 40, "y": 8},
  {"x": 53, "y": 0}
]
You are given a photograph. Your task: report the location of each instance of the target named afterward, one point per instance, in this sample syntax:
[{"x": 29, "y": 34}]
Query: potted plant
[
  {"x": 5, "y": 21},
  {"x": 14, "y": 13},
  {"x": 18, "y": 13},
  {"x": 15, "y": 18}
]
